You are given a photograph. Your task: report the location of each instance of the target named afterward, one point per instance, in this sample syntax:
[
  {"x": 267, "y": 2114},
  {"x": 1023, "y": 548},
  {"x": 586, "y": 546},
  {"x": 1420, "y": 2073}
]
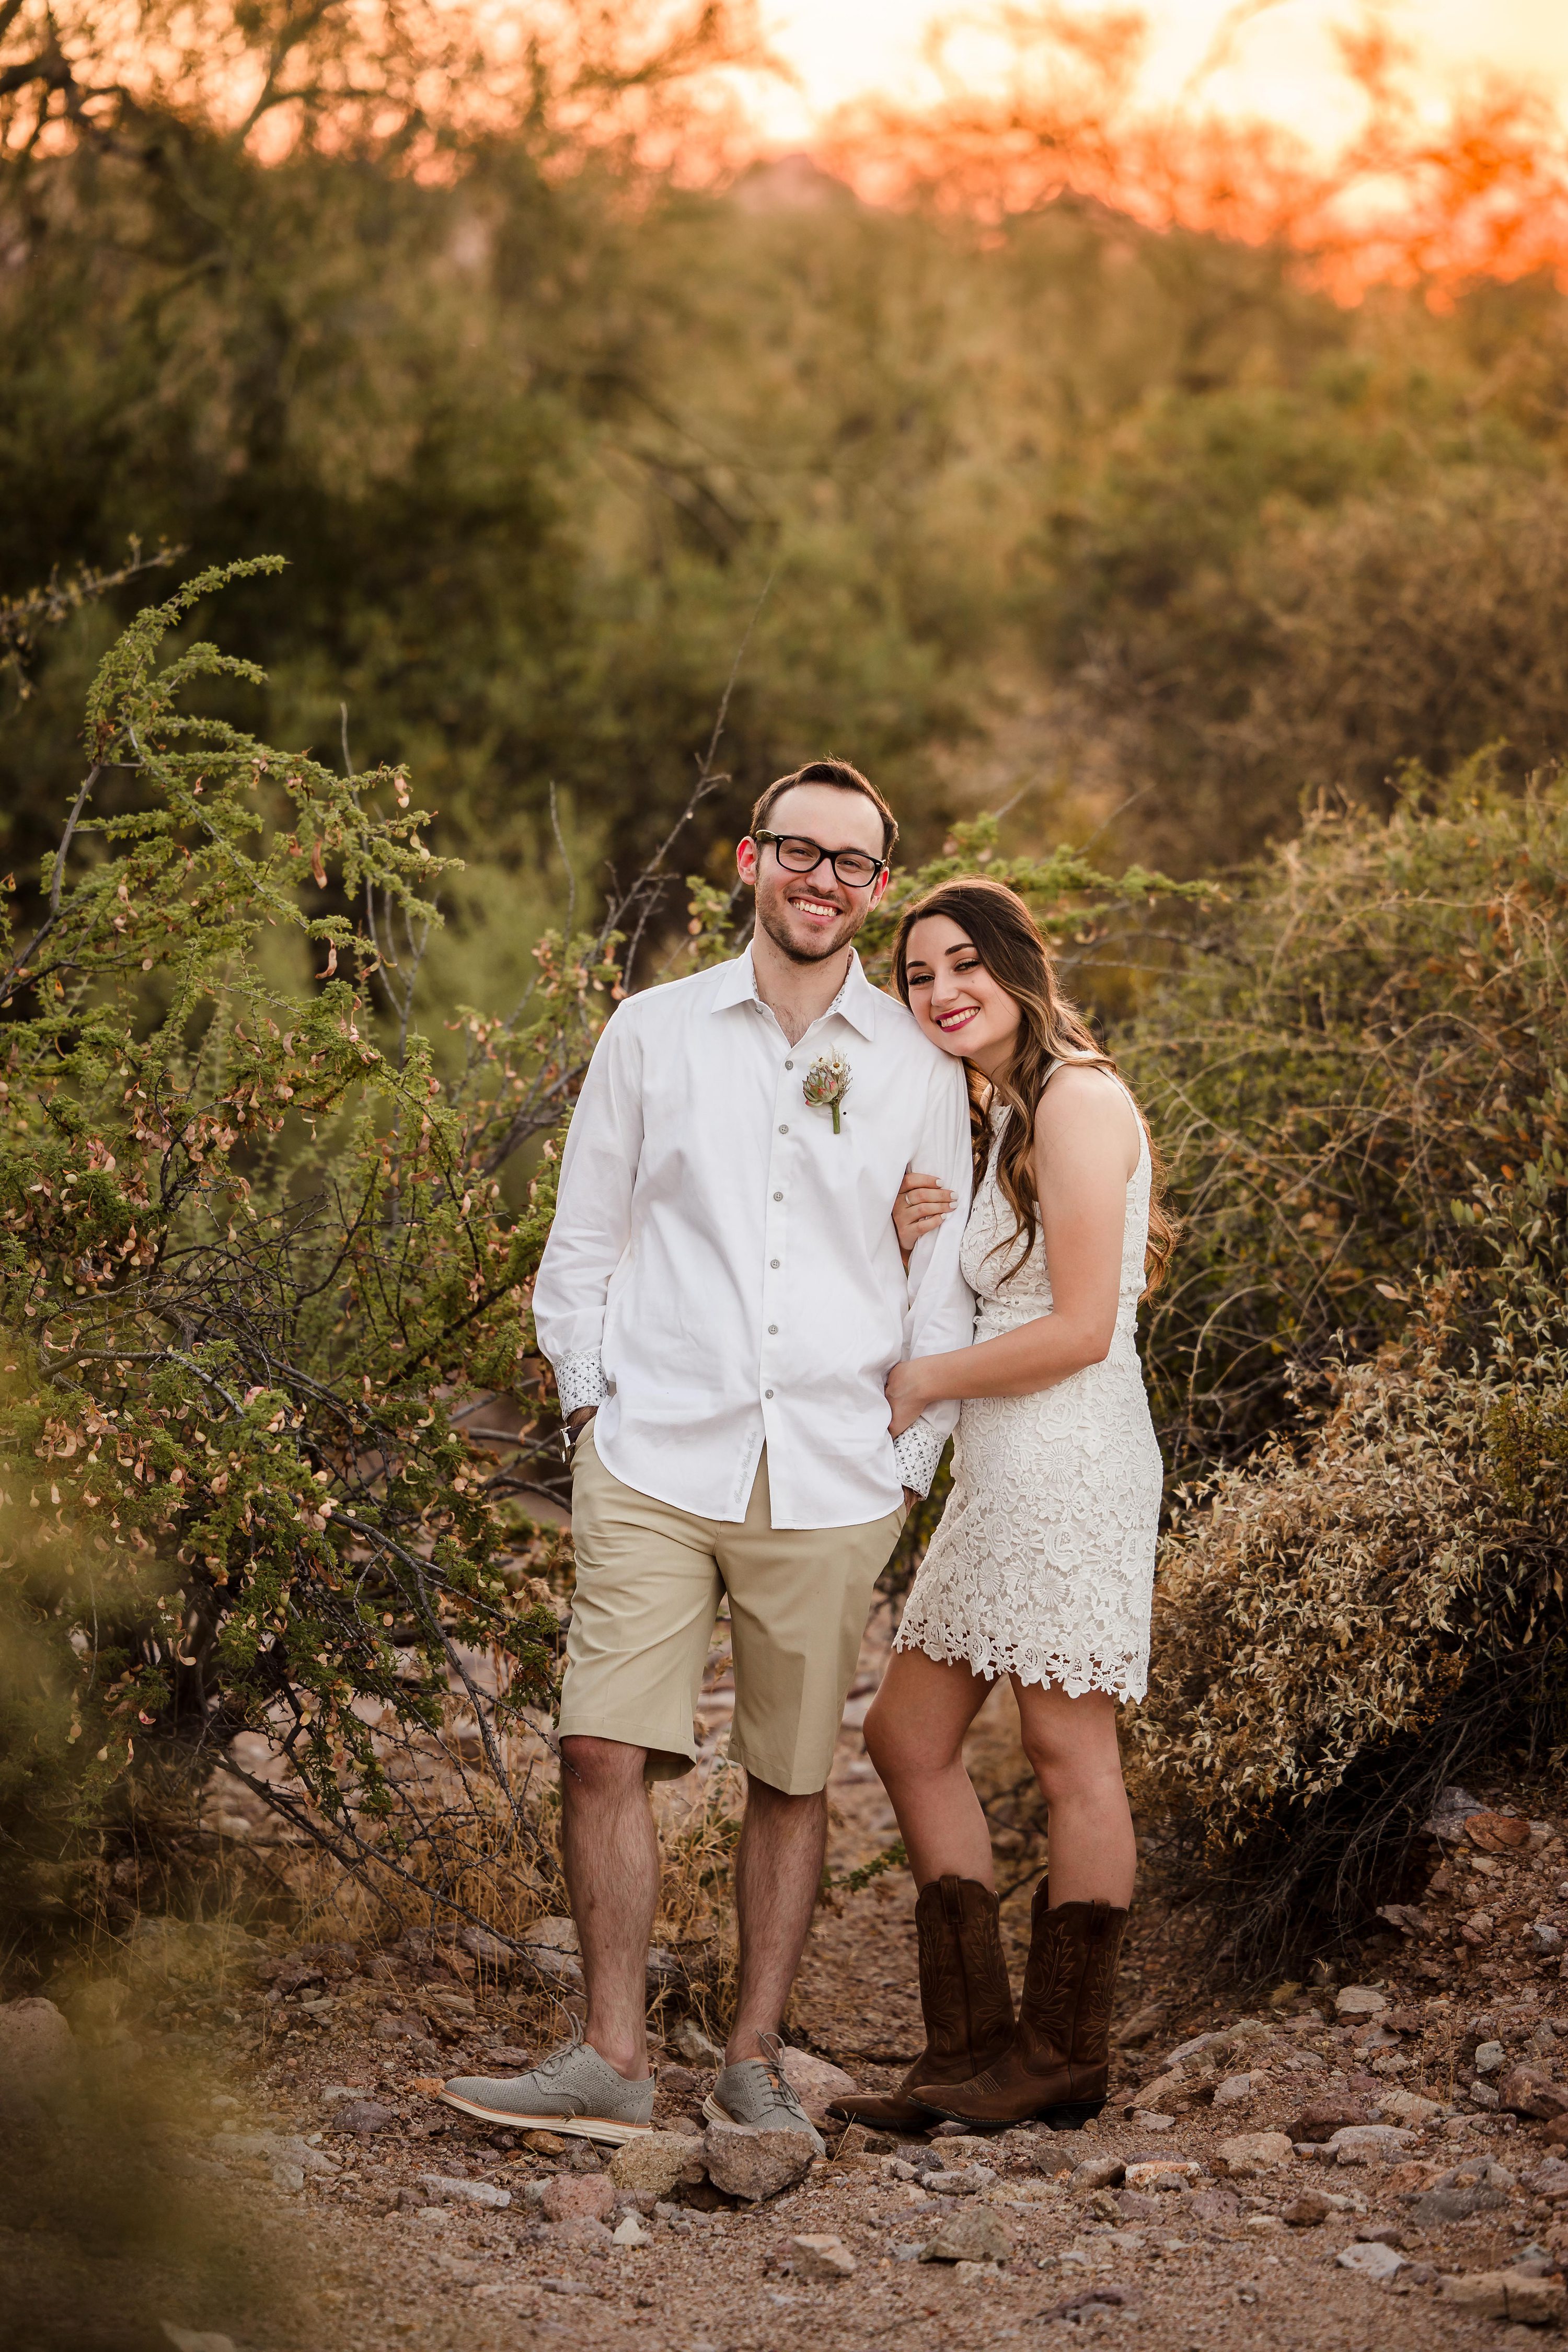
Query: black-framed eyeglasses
[{"x": 796, "y": 855}]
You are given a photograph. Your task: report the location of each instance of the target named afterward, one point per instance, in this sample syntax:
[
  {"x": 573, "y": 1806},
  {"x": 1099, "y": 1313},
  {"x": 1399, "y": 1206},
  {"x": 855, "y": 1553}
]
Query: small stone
[
  {"x": 578, "y": 2197},
  {"x": 362, "y": 2117},
  {"x": 544, "y": 2142},
  {"x": 1544, "y": 1937},
  {"x": 1497, "y": 1832},
  {"x": 489, "y": 1950},
  {"x": 815, "y": 2082},
  {"x": 690, "y": 2042},
  {"x": 1130, "y": 2205},
  {"x": 1263, "y": 2222},
  {"x": 1149, "y": 2119},
  {"x": 1531, "y": 2091},
  {"x": 656, "y": 2162},
  {"x": 447, "y": 2191},
  {"x": 1320, "y": 2120},
  {"x": 1369, "y": 2143},
  {"x": 1235, "y": 2091},
  {"x": 1359, "y": 2000},
  {"x": 679, "y": 2082},
  {"x": 1161, "y": 2171},
  {"x": 35, "y": 2044},
  {"x": 1099, "y": 2172},
  {"x": 756, "y": 2165},
  {"x": 1410, "y": 2108},
  {"x": 1489, "y": 2056},
  {"x": 1437, "y": 2207},
  {"x": 821, "y": 2258},
  {"x": 1215, "y": 2205},
  {"x": 196, "y": 2339},
  {"x": 976, "y": 2233},
  {"x": 1262, "y": 2150},
  {"x": 1308, "y": 2210},
  {"x": 629, "y": 2231},
  {"x": 1372, "y": 2261}
]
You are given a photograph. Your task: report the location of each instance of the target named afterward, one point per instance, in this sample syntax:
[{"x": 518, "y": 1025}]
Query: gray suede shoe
[
  {"x": 756, "y": 2092},
  {"x": 574, "y": 2091}
]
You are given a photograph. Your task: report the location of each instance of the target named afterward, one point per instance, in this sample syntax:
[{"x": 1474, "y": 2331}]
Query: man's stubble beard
[{"x": 768, "y": 917}]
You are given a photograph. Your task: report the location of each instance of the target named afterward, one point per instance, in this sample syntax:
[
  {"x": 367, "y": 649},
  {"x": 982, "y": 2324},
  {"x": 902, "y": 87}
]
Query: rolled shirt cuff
[
  {"x": 580, "y": 1380},
  {"x": 917, "y": 1454}
]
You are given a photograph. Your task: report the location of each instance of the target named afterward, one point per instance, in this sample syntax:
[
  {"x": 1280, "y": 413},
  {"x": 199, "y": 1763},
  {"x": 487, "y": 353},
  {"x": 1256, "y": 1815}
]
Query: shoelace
[
  {"x": 772, "y": 2046},
  {"x": 569, "y": 2049}
]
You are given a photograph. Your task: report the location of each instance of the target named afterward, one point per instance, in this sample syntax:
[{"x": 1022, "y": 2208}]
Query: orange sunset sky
[{"x": 1271, "y": 58}]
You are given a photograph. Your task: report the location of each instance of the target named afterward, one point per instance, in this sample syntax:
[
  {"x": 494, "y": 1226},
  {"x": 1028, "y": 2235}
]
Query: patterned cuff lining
[
  {"x": 580, "y": 1380},
  {"x": 917, "y": 1454}
]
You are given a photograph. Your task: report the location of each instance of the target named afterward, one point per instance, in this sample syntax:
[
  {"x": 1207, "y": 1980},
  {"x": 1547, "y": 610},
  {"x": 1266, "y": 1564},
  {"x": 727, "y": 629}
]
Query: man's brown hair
[{"x": 848, "y": 779}]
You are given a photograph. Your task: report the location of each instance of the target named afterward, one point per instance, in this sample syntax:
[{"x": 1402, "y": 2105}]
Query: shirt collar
[{"x": 856, "y": 1001}]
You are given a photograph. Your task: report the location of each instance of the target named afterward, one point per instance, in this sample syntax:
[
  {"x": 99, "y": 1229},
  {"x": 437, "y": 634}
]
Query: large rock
[
  {"x": 578, "y": 2197},
  {"x": 1259, "y": 2151},
  {"x": 656, "y": 2162},
  {"x": 1505, "y": 2295},
  {"x": 35, "y": 2045},
  {"x": 815, "y": 2082},
  {"x": 756, "y": 2165},
  {"x": 976, "y": 2233},
  {"x": 1531, "y": 2091}
]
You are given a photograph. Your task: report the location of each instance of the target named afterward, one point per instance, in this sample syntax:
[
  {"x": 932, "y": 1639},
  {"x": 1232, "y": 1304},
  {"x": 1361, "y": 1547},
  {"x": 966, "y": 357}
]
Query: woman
[{"x": 1042, "y": 1567}]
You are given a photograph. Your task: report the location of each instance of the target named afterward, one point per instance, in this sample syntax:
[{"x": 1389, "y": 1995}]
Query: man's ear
[
  {"x": 879, "y": 887},
  {"x": 746, "y": 860}
]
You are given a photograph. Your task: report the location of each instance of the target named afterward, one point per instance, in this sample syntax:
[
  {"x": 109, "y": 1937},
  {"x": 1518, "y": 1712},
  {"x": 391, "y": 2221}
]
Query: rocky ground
[{"x": 1342, "y": 2166}]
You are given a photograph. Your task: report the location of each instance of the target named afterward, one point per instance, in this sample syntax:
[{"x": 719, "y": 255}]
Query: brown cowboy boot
[
  {"x": 1058, "y": 2065},
  {"x": 964, "y": 1996}
]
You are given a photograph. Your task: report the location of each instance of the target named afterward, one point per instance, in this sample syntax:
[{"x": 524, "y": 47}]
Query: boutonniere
[{"x": 826, "y": 1083}]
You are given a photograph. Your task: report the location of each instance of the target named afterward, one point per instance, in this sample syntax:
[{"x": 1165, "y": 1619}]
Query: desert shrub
[
  {"x": 1349, "y": 1621},
  {"x": 1366, "y": 1099},
  {"x": 252, "y": 1267},
  {"x": 1376, "y": 1021}
]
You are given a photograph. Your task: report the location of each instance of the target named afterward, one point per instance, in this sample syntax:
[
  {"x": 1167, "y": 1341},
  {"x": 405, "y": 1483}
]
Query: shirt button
[
  {"x": 789, "y": 1065},
  {"x": 778, "y": 1196},
  {"x": 767, "y": 1393},
  {"x": 773, "y": 1330},
  {"x": 783, "y": 1130},
  {"x": 773, "y": 1261}
]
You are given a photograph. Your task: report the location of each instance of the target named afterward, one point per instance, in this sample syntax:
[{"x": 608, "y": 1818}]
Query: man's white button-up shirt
[{"x": 723, "y": 1272}]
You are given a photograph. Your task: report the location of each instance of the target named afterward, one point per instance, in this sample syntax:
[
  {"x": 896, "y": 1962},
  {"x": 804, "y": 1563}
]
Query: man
[{"x": 723, "y": 1298}]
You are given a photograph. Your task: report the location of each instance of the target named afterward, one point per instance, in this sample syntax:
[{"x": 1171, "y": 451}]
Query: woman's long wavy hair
[{"x": 1008, "y": 942}]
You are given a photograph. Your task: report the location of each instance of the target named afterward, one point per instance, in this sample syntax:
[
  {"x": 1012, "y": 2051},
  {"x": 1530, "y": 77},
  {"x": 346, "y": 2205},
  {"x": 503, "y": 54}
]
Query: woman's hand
[
  {"x": 908, "y": 1395},
  {"x": 922, "y": 1203}
]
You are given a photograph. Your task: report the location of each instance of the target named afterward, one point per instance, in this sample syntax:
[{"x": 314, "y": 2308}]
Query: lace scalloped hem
[{"x": 1124, "y": 1678}]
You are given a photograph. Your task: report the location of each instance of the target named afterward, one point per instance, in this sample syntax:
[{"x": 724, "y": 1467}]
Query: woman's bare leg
[
  {"x": 914, "y": 1737},
  {"x": 1071, "y": 1744}
]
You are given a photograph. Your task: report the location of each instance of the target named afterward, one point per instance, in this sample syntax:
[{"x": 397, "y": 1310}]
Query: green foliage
[
  {"x": 1363, "y": 1084},
  {"x": 1373, "y": 1024},
  {"x": 253, "y": 1266}
]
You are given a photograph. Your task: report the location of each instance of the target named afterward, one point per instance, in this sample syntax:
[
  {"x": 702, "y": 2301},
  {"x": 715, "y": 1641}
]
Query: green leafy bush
[{"x": 1366, "y": 1088}]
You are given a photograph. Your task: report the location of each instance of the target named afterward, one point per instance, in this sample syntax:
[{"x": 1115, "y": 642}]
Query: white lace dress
[{"x": 1043, "y": 1566}]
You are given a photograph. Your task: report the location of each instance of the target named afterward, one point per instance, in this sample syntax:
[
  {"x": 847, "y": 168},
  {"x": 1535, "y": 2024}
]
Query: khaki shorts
[{"x": 649, "y": 1581}]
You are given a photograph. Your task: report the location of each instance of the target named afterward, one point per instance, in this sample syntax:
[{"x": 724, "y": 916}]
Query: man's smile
[{"x": 820, "y": 910}]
